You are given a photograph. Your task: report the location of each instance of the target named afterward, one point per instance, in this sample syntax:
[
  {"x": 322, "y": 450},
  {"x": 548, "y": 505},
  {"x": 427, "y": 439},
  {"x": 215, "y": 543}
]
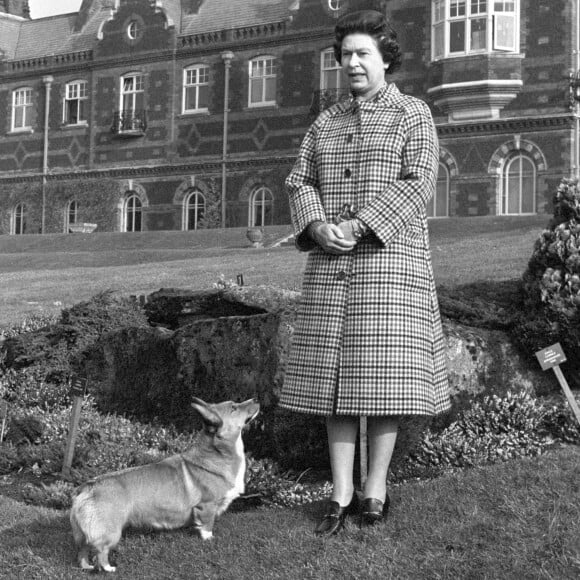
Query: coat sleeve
[
  {"x": 403, "y": 200},
  {"x": 304, "y": 192}
]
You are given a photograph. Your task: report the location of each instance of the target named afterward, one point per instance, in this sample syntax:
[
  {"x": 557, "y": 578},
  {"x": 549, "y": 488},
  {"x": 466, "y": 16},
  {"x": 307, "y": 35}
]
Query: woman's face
[{"x": 363, "y": 64}]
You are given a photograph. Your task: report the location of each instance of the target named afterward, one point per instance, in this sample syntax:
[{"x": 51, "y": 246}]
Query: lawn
[
  {"x": 45, "y": 273},
  {"x": 513, "y": 520}
]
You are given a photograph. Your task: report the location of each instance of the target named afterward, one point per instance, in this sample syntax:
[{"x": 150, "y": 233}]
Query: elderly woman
[{"x": 368, "y": 339}]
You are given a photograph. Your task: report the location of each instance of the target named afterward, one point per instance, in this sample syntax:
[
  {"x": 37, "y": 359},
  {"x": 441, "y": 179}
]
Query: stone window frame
[
  {"x": 186, "y": 205},
  {"x": 267, "y": 73},
  {"x": 18, "y": 219},
  {"x": 68, "y": 210},
  {"x": 196, "y": 86},
  {"x": 257, "y": 212},
  {"x": 82, "y": 95},
  {"x": 22, "y": 100}
]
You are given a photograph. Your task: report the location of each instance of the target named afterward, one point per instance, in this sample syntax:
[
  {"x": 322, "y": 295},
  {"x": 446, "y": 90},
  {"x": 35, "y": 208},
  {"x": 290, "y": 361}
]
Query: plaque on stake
[
  {"x": 552, "y": 357},
  {"x": 77, "y": 392},
  {"x": 4, "y": 413}
]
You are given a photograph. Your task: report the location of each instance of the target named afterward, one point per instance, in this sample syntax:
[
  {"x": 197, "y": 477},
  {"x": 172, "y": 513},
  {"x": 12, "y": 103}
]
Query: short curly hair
[{"x": 374, "y": 24}]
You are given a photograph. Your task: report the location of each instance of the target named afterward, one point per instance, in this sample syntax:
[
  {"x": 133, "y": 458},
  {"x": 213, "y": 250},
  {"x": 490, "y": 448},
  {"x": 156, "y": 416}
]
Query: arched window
[
  {"x": 193, "y": 210},
  {"x": 261, "y": 207},
  {"x": 519, "y": 186},
  {"x": 438, "y": 205},
  {"x": 71, "y": 215},
  {"x": 132, "y": 218},
  {"x": 18, "y": 220},
  {"x": 331, "y": 71}
]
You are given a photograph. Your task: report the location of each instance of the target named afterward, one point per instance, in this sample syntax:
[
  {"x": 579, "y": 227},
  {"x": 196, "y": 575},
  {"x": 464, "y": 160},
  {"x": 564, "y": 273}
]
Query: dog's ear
[{"x": 211, "y": 419}]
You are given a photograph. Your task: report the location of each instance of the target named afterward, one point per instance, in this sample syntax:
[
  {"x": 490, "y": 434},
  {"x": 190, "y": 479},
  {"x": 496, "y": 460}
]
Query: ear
[{"x": 209, "y": 416}]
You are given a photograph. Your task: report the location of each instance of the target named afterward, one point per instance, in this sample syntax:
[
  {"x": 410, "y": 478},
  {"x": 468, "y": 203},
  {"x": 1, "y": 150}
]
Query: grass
[
  {"x": 515, "y": 520},
  {"x": 47, "y": 273}
]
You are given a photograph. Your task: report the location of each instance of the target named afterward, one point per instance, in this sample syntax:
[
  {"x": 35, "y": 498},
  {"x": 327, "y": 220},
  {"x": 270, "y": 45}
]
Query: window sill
[
  {"x": 269, "y": 105},
  {"x": 195, "y": 113},
  {"x": 66, "y": 126},
  {"x": 25, "y": 130}
]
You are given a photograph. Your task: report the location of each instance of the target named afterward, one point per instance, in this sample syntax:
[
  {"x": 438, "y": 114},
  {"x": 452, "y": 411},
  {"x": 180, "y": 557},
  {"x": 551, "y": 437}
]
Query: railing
[
  {"x": 53, "y": 60},
  {"x": 322, "y": 100},
  {"x": 130, "y": 123}
]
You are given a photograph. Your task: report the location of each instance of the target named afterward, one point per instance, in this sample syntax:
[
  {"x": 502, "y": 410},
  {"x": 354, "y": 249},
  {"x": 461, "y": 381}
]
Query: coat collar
[{"x": 387, "y": 96}]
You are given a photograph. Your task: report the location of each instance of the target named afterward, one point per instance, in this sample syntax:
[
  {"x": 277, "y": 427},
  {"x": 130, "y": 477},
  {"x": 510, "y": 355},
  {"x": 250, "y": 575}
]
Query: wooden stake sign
[
  {"x": 552, "y": 357},
  {"x": 4, "y": 416},
  {"x": 77, "y": 392}
]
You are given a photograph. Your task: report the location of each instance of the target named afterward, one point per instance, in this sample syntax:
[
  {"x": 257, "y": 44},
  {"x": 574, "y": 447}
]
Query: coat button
[
  {"x": 341, "y": 275},
  {"x": 347, "y": 172}
]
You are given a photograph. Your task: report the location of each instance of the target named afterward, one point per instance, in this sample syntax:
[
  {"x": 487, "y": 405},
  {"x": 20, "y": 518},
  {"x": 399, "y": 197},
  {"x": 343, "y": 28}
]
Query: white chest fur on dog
[{"x": 191, "y": 488}]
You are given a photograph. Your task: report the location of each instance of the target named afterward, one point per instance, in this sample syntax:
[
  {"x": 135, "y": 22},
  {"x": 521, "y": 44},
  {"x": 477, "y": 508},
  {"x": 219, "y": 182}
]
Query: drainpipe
[
  {"x": 47, "y": 80},
  {"x": 227, "y": 57},
  {"x": 576, "y": 160}
]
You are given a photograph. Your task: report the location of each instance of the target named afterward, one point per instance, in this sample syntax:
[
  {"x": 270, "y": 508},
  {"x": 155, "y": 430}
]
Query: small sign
[
  {"x": 240, "y": 279},
  {"x": 78, "y": 387},
  {"x": 551, "y": 356}
]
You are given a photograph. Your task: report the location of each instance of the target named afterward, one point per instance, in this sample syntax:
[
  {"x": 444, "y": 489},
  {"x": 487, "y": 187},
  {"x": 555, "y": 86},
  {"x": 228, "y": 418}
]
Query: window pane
[
  {"x": 19, "y": 117},
  {"x": 504, "y": 33},
  {"x": 256, "y": 91},
  {"x": 439, "y": 40},
  {"x": 271, "y": 89},
  {"x": 457, "y": 36},
  {"x": 190, "y": 98},
  {"x": 457, "y": 8},
  {"x": 203, "y": 97},
  {"x": 478, "y": 34}
]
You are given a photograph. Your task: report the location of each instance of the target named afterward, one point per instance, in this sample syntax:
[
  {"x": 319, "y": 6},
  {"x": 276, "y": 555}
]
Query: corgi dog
[{"x": 190, "y": 488}]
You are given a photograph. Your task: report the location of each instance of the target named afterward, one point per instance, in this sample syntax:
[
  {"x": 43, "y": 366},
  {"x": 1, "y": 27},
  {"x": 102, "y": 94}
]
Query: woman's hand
[{"x": 333, "y": 239}]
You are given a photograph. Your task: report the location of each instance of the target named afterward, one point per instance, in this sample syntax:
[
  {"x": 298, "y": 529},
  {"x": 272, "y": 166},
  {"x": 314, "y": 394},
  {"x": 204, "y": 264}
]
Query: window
[
  {"x": 133, "y": 91},
  {"x": 131, "y": 118},
  {"x": 519, "y": 186},
  {"x": 22, "y": 109},
  {"x": 71, "y": 215},
  {"x": 438, "y": 205},
  {"x": 473, "y": 26},
  {"x": 132, "y": 214},
  {"x": 75, "y": 103},
  {"x": 193, "y": 210},
  {"x": 18, "y": 220},
  {"x": 195, "y": 88},
  {"x": 262, "y": 81},
  {"x": 261, "y": 206},
  {"x": 133, "y": 30},
  {"x": 331, "y": 72}
]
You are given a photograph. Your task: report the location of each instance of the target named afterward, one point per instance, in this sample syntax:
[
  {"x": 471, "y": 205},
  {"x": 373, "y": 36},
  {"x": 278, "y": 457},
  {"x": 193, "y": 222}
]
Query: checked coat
[{"x": 368, "y": 337}]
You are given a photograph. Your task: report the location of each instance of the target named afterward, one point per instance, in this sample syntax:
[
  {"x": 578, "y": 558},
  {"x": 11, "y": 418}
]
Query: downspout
[
  {"x": 576, "y": 160},
  {"x": 227, "y": 57},
  {"x": 47, "y": 80}
]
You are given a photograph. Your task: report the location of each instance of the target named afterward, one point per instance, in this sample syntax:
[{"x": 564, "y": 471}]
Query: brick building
[{"x": 117, "y": 115}]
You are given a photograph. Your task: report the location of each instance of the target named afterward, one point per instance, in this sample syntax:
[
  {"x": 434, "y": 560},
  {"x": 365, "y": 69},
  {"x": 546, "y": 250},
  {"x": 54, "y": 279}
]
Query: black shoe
[
  {"x": 374, "y": 511},
  {"x": 333, "y": 520}
]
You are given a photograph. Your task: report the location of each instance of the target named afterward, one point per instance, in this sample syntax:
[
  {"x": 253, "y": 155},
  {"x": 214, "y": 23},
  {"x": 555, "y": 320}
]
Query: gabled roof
[
  {"x": 23, "y": 39},
  {"x": 217, "y": 15}
]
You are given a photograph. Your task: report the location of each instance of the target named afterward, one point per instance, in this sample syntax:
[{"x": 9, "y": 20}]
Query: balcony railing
[
  {"x": 129, "y": 123},
  {"x": 325, "y": 98}
]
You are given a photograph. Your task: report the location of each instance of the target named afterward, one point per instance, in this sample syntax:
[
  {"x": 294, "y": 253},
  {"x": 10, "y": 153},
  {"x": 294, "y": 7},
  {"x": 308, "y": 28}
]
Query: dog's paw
[{"x": 205, "y": 534}]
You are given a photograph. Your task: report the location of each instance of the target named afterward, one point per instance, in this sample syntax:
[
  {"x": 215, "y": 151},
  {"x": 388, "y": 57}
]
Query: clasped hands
[{"x": 333, "y": 238}]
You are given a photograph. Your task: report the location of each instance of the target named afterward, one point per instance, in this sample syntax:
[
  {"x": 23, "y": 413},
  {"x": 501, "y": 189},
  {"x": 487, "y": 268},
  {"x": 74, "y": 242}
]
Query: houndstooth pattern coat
[{"x": 368, "y": 337}]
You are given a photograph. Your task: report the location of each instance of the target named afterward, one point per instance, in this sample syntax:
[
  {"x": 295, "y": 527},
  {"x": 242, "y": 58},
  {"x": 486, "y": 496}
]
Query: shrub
[
  {"x": 493, "y": 429},
  {"x": 56, "y": 349},
  {"x": 552, "y": 281}
]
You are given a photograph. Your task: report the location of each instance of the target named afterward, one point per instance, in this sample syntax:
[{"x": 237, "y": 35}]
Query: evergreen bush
[{"x": 552, "y": 281}]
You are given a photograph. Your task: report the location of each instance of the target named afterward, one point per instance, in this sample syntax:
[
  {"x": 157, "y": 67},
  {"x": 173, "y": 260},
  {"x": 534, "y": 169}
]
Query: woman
[{"x": 368, "y": 338}]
